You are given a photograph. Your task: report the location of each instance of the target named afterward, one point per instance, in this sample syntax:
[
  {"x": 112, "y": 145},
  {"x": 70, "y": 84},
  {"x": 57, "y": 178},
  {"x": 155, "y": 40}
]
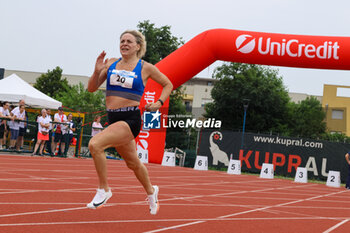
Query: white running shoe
[
  {"x": 100, "y": 199},
  {"x": 153, "y": 201}
]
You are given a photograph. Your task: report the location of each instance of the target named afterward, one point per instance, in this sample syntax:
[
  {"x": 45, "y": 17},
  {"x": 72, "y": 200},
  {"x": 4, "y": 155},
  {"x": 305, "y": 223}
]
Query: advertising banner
[{"x": 285, "y": 153}]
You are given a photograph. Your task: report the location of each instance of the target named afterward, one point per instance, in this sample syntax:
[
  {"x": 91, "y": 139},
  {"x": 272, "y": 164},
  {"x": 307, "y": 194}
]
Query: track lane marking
[
  {"x": 169, "y": 220},
  {"x": 336, "y": 226},
  {"x": 248, "y": 211}
]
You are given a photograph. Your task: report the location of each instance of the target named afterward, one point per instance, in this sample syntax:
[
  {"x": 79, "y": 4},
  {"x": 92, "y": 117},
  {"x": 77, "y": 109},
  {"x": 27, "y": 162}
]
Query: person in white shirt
[
  {"x": 18, "y": 114},
  {"x": 59, "y": 117},
  {"x": 22, "y": 125},
  {"x": 48, "y": 143},
  {"x": 43, "y": 132},
  {"x": 4, "y": 113},
  {"x": 96, "y": 126}
]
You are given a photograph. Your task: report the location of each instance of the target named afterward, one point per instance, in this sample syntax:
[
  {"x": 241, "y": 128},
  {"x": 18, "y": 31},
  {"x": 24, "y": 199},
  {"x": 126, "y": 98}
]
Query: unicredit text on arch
[
  {"x": 292, "y": 48},
  {"x": 284, "y": 47}
]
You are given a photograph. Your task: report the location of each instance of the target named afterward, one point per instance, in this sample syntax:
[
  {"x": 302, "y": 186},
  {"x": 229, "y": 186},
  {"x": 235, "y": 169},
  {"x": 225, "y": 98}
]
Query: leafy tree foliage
[
  {"x": 79, "y": 99},
  {"x": 176, "y": 105},
  {"x": 307, "y": 118},
  {"x": 335, "y": 137},
  {"x": 270, "y": 108},
  {"x": 74, "y": 97},
  {"x": 263, "y": 87},
  {"x": 160, "y": 41},
  {"x": 51, "y": 83}
]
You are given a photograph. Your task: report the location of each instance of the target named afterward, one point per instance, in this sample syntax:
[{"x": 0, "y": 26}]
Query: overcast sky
[{"x": 37, "y": 35}]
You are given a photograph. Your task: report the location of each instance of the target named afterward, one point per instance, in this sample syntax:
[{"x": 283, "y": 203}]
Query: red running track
[{"x": 49, "y": 195}]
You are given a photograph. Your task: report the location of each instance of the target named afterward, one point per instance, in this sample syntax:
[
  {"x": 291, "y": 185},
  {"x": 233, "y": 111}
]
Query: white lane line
[
  {"x": 142, "y": 202},
  {"x": 336, "y": 226},
  {"x": 166, "y": 220},
  {"x": 41, "y": 212},
  {"x": 178, "y": 204},
  {"x": 249, "y": 211},
  {"x": 279, "y": 205}
]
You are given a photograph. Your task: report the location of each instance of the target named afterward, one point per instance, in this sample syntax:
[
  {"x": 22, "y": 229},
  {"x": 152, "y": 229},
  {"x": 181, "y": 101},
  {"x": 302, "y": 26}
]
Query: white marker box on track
[
  {"x": 234, "y": 167},
  {"x": 142, "y": 154},
  {"x": 168, "y": 159},
  {"x": 267, "y": 171},
  {"x": 333, "y": 179},
  {"x": 301, "y": 175},
  {"x": 201, "y": 163}
]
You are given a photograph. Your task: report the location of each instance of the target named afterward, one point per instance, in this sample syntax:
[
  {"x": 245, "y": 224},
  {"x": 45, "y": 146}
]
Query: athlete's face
[{"x": 128, "y": 45}]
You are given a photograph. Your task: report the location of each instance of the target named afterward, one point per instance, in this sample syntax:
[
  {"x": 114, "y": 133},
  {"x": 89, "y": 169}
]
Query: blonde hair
[
  {"x": 96, "y": 117},
  {"x": 140, "y": 40}
]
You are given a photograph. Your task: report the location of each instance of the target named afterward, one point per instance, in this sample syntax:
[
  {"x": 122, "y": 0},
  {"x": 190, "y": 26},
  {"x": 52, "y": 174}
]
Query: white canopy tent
[{"x": 13, "y": 89}]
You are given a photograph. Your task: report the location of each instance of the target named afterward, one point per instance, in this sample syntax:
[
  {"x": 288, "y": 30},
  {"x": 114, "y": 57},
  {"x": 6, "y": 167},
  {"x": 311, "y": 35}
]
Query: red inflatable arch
[{"x": 320, "y": 52}]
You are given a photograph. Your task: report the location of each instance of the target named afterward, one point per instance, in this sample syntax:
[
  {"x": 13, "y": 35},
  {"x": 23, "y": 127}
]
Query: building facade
[
  {"x": 336, "y": 102},
  {"x": 197, "y": 92}
]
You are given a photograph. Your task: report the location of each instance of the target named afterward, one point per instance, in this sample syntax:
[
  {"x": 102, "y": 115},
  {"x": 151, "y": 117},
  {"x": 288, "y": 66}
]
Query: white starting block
[
  {"x": 267, "y": 171},
  {"x": 333, "y": 179},
  {"x": 168, "y": 159},
  {"x": 301, "y": 175},
  {"x": 234, "y": 167},
  {"x": 142, "y": 154},
  {"x": 201, "y": 163}
]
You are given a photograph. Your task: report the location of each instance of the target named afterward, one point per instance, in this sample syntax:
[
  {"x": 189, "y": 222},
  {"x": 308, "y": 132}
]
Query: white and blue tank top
[{"x": 126, "y": 84}]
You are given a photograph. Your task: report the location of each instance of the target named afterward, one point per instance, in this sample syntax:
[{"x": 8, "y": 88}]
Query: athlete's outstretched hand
[{"x": 101, "y": 62}]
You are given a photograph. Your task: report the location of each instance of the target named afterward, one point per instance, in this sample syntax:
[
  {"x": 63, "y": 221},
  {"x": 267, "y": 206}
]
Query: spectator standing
[
  {"x": 22, "y": 125},
  {"x": 59, "y": 118},
  {"x": 96, "y": 126},
  {"x": 4, "y": 113},
  {"x": 43, "y": 132},
  {"x": 18, "y": 114},
  {"x": 68, "y": 136},
  {"x": 10, "y": 126},
  {"x": 48, "y": 143}
]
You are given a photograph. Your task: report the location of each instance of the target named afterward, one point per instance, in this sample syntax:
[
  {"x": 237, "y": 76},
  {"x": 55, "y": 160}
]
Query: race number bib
[{"x": 122, "y": 78}]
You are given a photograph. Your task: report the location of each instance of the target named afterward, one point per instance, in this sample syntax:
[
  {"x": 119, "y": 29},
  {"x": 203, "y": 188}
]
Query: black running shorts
[{"x": 131, "y": 115}]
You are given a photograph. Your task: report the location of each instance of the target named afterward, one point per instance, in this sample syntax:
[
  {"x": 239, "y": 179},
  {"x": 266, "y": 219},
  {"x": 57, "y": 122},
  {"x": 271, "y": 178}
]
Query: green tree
[
  {"x": 335, "y": 137},
  {"x": 307, "y": 118},
  {"x": 160, "y": 41},
  {"x": 79, "y": 99},
  {"x": 176, "y": 105},
  {"x": 51, "y": 83},
  {"x": 268, "y": 105}
]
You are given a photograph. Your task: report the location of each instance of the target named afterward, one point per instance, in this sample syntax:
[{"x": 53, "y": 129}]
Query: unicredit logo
[
  {"x": 291, "y": 48},
  {"x": 245, "y": 43}
]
